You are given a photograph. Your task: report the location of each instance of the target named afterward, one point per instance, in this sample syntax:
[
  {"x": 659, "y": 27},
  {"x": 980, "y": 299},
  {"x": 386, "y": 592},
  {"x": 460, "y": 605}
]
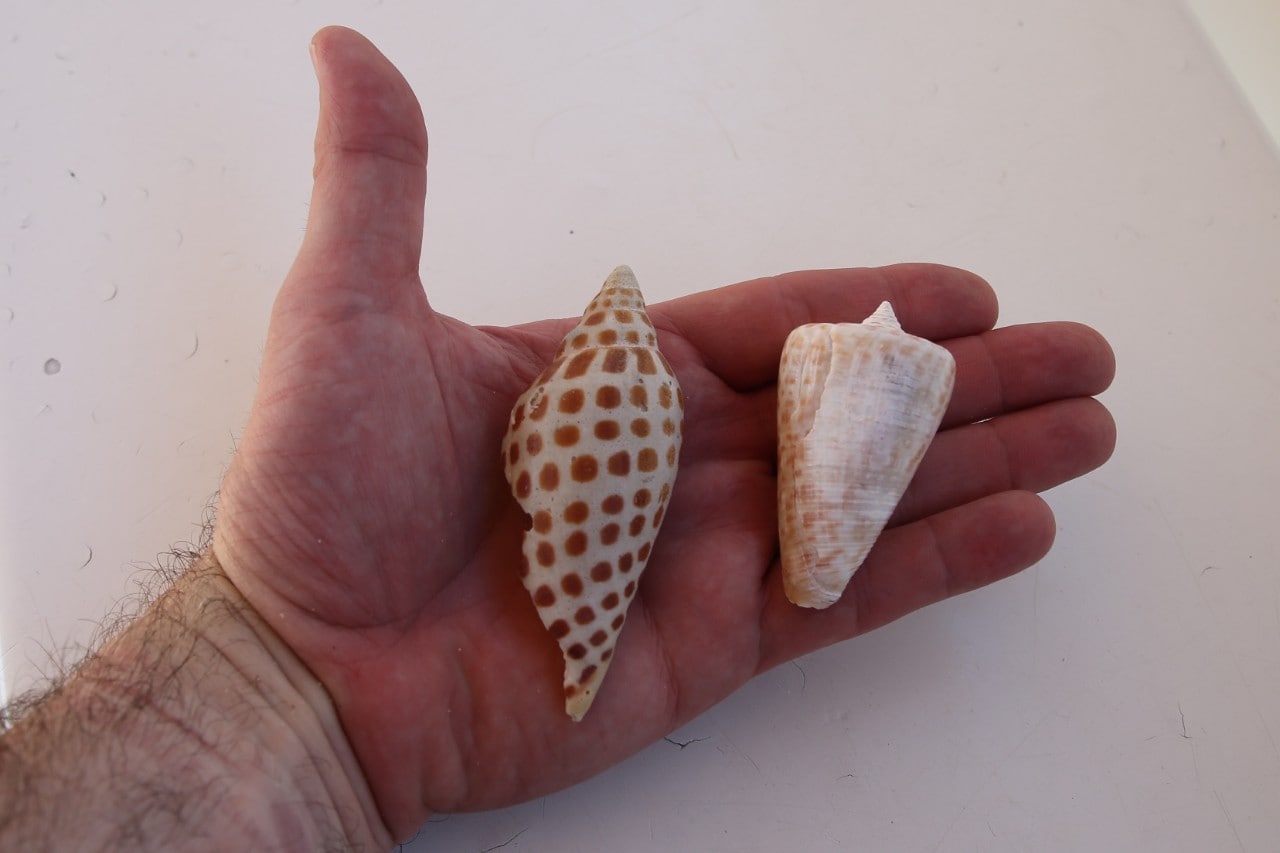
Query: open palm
[{"x": 366, "y": 515}]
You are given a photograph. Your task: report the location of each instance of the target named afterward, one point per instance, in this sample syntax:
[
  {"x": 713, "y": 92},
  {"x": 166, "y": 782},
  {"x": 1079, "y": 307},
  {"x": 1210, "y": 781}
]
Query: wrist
[{"x": 197, "y": 725}]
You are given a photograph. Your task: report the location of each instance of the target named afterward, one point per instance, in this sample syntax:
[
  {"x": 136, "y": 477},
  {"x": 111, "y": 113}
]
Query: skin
[
  {"x": 367, "y": 519},
  {"x": 356, "y": 651}
]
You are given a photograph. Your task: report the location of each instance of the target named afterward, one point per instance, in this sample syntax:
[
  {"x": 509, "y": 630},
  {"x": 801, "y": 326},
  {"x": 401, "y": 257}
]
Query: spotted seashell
[
  {"x": 591, "y": 453},
  {"x": 858, "y": 405}
]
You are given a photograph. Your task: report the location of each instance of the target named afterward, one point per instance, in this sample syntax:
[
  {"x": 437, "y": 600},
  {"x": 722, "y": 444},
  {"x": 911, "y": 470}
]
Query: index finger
[{"x": 738, "y": 331}]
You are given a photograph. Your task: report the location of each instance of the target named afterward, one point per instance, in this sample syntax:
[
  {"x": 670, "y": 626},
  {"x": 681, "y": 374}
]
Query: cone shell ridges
[{"x": 858, "y": 405}]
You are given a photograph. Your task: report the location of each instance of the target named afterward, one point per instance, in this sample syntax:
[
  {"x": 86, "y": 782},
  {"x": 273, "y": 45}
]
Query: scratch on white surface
[
  {"x": 1174, "y": 536},
  {"x": 1231, "y": 821},
  {"x": 804, "y": 679},
  {"x": 505, "y": 843},
  {"x": 1195, "y": 753},
  {"x": 1035, "y": 616},
  {"x": 728, "y": 137},
  {"x": 734, "y": 747},
  {"x": 991, "y": 777},
  {"x": 642, "y": 35},
  {"x": 545, "y": 123},
  {"x": 951, "y": 825},
  {"x": 1200, "y": 578}
]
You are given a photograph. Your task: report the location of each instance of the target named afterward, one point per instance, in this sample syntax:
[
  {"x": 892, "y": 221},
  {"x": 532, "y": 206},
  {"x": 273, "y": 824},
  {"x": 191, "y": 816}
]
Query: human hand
[{"x": 366, "y": 518}]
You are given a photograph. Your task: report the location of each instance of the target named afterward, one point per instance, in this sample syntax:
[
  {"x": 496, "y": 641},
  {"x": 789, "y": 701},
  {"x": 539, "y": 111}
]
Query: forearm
[{"x": 196, "y": 728}]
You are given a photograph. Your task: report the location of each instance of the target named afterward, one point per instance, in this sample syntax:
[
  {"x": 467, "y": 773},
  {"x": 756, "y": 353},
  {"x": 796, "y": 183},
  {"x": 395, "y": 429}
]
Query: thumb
[{"x": 365, "y": 224}]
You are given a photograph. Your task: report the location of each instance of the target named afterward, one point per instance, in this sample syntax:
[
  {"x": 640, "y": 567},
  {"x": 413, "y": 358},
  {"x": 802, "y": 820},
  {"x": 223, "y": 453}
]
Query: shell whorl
[
  {"x": 615, "y": 317},
  {"x": 858, "y": 405},
  {"x": 882, "y": 318},
  {"x": 591, "y": 453}
]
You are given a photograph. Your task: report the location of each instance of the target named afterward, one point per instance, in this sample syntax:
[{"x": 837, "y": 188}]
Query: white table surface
[{"x": 1093, "y": 159}]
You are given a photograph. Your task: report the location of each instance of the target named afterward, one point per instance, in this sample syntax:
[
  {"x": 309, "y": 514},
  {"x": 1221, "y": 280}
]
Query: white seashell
[
  {"x": 858, "y": 405},
  {"x": 591, "y": 453}
]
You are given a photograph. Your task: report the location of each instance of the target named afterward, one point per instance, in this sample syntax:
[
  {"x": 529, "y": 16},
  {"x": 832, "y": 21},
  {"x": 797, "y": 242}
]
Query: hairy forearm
[{"x": 196, "y": 728}]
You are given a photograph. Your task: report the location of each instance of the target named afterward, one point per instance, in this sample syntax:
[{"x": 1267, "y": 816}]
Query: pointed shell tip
[
  {"x": 577, "y": 706},
  {"x": 883, "y": 317}
]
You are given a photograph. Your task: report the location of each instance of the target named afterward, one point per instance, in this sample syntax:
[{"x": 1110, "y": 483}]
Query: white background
[{"x": 1093, "y": 159}]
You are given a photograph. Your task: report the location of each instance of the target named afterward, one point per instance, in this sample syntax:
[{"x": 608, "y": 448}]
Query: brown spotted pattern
[{"x": 591, "y": 453}]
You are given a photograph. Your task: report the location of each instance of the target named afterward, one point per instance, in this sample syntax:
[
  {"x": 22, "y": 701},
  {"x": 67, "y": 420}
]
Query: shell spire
[
  {"x": 883, "y": 318},
  {"x": 591, "y": 453},
  {"x": 618, "y": 308},
  {"x": 858, "y": 405}
]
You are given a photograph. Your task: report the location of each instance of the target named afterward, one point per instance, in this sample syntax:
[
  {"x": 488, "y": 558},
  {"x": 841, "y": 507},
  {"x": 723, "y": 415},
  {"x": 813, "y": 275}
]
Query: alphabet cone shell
[
  {"x": 858, "y": 405},
  {"x": 591, "y": 454}
]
